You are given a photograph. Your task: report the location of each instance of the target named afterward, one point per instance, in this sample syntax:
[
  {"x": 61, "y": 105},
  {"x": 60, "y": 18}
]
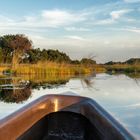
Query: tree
[
  {"x": 36, "y": 55},
  {"x": 6, "y": 51},
  {"x": 1, "y": 55},
  {"x": 133, "y": 61},
  {"x": 16, "y": 46},
  {"x": 75, "y": 62},
  {"x": 33, "y": 56},
  {"x": 57, "y": 56},
  {"x": 88, "y": 61}
]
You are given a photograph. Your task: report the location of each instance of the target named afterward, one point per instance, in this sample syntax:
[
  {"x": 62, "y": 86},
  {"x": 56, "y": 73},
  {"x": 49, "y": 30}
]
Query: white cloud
[
  {"x": 132, "y": 29},
  {"x": 56, "y": 18},
  {"x": 128, "y": 29},
  {"x": 114, "y": 17},
  {"x": 60, "y": 18},
  {"x": 105, "y": 21},
  {"x": 77, "y": 29},
  {"x": 74, "y": 37},
  {"x": 117, "y": 14},
  {"x": 47, "y": 18}
]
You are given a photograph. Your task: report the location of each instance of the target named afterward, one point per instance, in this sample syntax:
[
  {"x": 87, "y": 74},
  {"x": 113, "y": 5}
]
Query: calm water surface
[{"x": 118, "y": 94}]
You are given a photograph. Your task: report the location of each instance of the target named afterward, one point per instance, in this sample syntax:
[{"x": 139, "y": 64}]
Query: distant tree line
[
  {"x": 131, "y": 61},
  {"x": 15, "y": 49}
]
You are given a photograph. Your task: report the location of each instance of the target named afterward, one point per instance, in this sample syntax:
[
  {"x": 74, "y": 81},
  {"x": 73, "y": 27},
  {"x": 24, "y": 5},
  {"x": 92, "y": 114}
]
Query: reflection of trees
[
  {"x": 88, "y": 80},
  {"x": 135, "y": 76},
  {"x": 15, "y": 95},
  {"x": 18, "y": 89}
]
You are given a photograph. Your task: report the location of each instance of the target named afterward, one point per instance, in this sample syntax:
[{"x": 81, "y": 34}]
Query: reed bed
[
  {"x": 52, "y": 68},
  {"x": 3, "y": 67},
  {"x": 46, "y": 68}
]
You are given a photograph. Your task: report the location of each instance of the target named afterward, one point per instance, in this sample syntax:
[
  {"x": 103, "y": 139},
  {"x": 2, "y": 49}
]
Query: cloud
[
  {"x": 67, "y": 19},
  {"x": 132, "y": 29},
  {"x": 117, "y": 14},
  {"x": 105, "y": 21},
  {"x": 114, "y": 17},
  {"x": 77, "y": 29},
  {"x": 70, "y": 30},
  {"x": 128, "y": 29},
  {"x": 46, "y": 19},
  {"x": 74, "y": 37},
  {"x": 60, "y": 18}
]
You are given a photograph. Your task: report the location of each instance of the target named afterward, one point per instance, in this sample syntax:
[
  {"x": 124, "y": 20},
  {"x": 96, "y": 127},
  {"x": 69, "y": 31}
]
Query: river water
[{"x": 117, "y": 94}]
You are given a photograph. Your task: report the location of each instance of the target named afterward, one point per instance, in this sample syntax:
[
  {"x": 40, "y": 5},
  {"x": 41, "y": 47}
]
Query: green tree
[
  {"x": 88, "y": 61},
  {"x": 35, "y": 55},
  {"x": 57, "y": 56},
  {"x": 16, "y": 46},
  {"x": 1, "y": 55},
  {"x": 75, "y": 62}
]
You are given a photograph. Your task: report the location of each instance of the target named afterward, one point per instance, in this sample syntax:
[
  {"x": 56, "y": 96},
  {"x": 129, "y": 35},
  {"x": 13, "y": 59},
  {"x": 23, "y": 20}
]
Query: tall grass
[
  {"x": 4, "y": 67},
  {"x": 43, "y": 68},
  {"x": 46, "y": 68}
]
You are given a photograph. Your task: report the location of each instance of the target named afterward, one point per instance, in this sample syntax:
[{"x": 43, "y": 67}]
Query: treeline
[
  {"x": 17, "y": 49},
  {"x": 131, "y": 61},
  {"x": 34, "y": 56},
  {"x": 37, "y": 55}
]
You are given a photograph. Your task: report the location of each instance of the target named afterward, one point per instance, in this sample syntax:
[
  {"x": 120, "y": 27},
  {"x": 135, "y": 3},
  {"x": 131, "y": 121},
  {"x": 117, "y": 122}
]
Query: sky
[{"x": 106, "y": 29}]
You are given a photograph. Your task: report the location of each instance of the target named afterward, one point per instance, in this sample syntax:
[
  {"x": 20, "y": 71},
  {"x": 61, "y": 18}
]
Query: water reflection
[
  {"x": 15, "y": 95},
  {"x": 19, "y": 89},
  {"x": 118, "y": 94},
  {"x": 134, "y": 75}
]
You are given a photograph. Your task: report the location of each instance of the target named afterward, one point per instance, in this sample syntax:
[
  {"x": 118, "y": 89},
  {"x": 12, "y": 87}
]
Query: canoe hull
[{"x": 36, "y": 113}]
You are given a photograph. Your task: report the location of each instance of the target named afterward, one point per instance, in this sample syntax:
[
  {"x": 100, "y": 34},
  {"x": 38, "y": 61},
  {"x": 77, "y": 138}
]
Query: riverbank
[
  {"x": 122, "y": 68},
  {"x": 51, "y": 68}
]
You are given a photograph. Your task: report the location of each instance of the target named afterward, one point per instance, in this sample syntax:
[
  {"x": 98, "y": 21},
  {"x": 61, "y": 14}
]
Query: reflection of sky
[{"x": 119, "y": 95}]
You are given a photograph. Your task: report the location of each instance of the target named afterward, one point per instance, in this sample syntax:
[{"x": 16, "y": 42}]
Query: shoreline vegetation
[
  {"x": 129, "y": 66},
  {"x": 51, "y": 68},
  {"x": 123, "y": 68},
  {"x": 17, "y": 56}
]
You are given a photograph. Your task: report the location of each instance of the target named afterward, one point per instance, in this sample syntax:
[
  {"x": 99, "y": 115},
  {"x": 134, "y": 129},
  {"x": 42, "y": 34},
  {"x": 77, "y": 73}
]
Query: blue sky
[{"x": 107, "y": 29}]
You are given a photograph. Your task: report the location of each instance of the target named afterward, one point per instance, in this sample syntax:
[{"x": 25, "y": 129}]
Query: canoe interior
[{"x": 62, "y": 126}]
